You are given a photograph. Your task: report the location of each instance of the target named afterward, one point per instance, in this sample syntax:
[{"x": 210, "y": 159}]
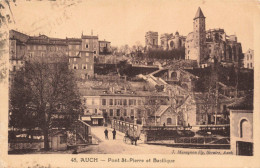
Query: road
[{"x": 117, "y": 146}]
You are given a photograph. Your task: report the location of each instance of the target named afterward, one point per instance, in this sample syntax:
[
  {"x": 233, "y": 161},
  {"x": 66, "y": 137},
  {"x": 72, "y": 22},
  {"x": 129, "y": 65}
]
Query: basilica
[{"x": 202, "y": 45}]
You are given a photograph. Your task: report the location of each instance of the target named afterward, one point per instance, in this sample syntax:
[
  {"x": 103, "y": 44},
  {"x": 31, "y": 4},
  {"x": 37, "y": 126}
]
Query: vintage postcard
[{"x": 120, "y": 83}]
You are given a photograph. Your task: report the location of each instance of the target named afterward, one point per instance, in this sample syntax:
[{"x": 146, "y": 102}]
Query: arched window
[
  {"x": 169, "y": 121},
  {"x": 171, "y": 43},
  {"x": 245, "y": 131},
  {"x": 174, "y": 75}
]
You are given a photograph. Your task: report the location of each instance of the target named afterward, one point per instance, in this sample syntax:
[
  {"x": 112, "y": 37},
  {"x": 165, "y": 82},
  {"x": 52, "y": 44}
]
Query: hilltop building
[
  {"x": 79, "y": 53},
  {"x": 205, "y": 46},
  {"x": 151, "y": 40},
  {"x": 104, "y": 47},
  {"x": 170, "y": 41},
  {"x": 249, "y": 59}
]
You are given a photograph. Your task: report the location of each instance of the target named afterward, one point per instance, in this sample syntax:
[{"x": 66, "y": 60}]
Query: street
[{"x": 117, "y": 146}]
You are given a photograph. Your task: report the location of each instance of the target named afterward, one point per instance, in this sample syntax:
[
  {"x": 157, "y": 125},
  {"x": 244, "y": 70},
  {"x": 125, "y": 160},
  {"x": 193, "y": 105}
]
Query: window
[
  {"x": 139, "y": 112},
  {"x": 125, "y": 102},
  {"x": 139, "y": 102},
  {"x": 103, "y": 102},
  {"x": 87, "y": 59},
  {"x": 75, "y": 66},
  {"x": 247, "y": 57},
  {"x": 118, "y": 102},
  {"x": 132, "y": 112},
  {"x": 91, "y": 67},
  {"x": 84, "y": 66},
  {"x": 111, "y": 102},
  {"x": 75, "y": 59},
  {"x": 245, "y": 129},
  {"x": 169, "y": 121},
  {"x": 42, "y": 53},
  {"x": 95, "y": 121},
  {"x": 14, "y": 68},
  {"x": 251, "y": 65},
  {"x": 111, "y": 112},
  {"x": 104, "y": 111},
  {"x": 250, "y": 56},
  {"x": 247, "y": 65},
  {"x": 30, "y": 54},
  {"x": 125, "y": 112},
  {"x": 95, "y": 52},
  {"x": 171, "y": 44},
  {"x": 132, "y": 102},
  {"x": 95, "y": 111},
  {"x": 63, "y": 139},
  {"x": 118, "y": 112},
  {"x": 86, "y": 45}
]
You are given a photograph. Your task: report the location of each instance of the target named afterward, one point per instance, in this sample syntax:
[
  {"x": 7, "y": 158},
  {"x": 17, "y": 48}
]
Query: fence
[
  {"x": 122, "y": 126},
  {"x": 84, "y": 131},
  {"x": 35, "y": 145}
]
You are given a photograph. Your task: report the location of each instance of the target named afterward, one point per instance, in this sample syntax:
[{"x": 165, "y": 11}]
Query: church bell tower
[{"x": 199, "y": 35}]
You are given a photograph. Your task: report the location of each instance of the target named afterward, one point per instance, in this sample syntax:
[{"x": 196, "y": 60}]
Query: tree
[
  {"x": 41, "y": 91},
  {"x": 150, "y": 105},
  {"x": 176, "y": 54},
  {"x": 124, "y": 49},
  {"x": 180, "y": 103},
  {"x": 123, "y": 68}
]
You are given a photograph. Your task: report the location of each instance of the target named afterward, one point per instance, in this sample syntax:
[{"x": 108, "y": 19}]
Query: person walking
[
  {"x": 114, "y": 133},
  {"x": 106, "y": 133}
]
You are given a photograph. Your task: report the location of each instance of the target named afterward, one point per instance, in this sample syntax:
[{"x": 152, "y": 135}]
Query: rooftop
[
  {"x": 244, "y": 103},
  {"x": 89, "y": 37},
  {"x": 199, "y": 14}
]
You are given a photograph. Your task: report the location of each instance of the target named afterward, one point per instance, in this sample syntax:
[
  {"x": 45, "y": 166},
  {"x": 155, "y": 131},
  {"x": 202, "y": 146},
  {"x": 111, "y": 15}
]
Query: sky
[{"x": 126, "y": 21}]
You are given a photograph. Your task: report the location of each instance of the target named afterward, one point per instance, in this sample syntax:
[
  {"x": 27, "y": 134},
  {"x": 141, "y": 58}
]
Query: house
[
  {"x": 241, "y": 126},
  {"x": 183, "y": 113},
  {"x": 58, "y": 139},
  {"x": 241, "y": 132}
]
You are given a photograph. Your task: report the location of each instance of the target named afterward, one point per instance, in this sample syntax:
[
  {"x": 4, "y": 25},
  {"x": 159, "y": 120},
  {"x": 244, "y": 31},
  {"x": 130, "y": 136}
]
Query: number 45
[{"x": 73, "y": 160}]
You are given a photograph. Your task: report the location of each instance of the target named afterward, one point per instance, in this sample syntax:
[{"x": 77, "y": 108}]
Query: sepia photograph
[{"x": 85, "y": 79}]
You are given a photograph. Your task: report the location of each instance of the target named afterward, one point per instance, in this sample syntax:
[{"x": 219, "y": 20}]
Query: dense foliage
[
  {"x": 167, "y": 54},
  {"x": 41, "y": 92}
]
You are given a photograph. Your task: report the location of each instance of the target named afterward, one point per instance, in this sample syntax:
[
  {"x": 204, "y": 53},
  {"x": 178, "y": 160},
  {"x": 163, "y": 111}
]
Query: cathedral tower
[{"x": 199, "y": 35}]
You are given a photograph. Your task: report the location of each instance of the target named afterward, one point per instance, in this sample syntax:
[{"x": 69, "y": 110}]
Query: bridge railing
[
  {"x": 122, "y": 126},
  {"x": 84, "y": 131}
]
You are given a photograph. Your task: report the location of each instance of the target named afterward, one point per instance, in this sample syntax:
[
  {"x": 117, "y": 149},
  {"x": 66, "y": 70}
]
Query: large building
[
  {"x": 249, "y": 59},
  {"x": 104, "y": 47},
  {"x": 123, "y": 105},
  {"x": 78, "y": 52},
  {"x": 170, "y": 41},
  {"x": 151, "y": 40},
  {"x": 205, "y": 46}
]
